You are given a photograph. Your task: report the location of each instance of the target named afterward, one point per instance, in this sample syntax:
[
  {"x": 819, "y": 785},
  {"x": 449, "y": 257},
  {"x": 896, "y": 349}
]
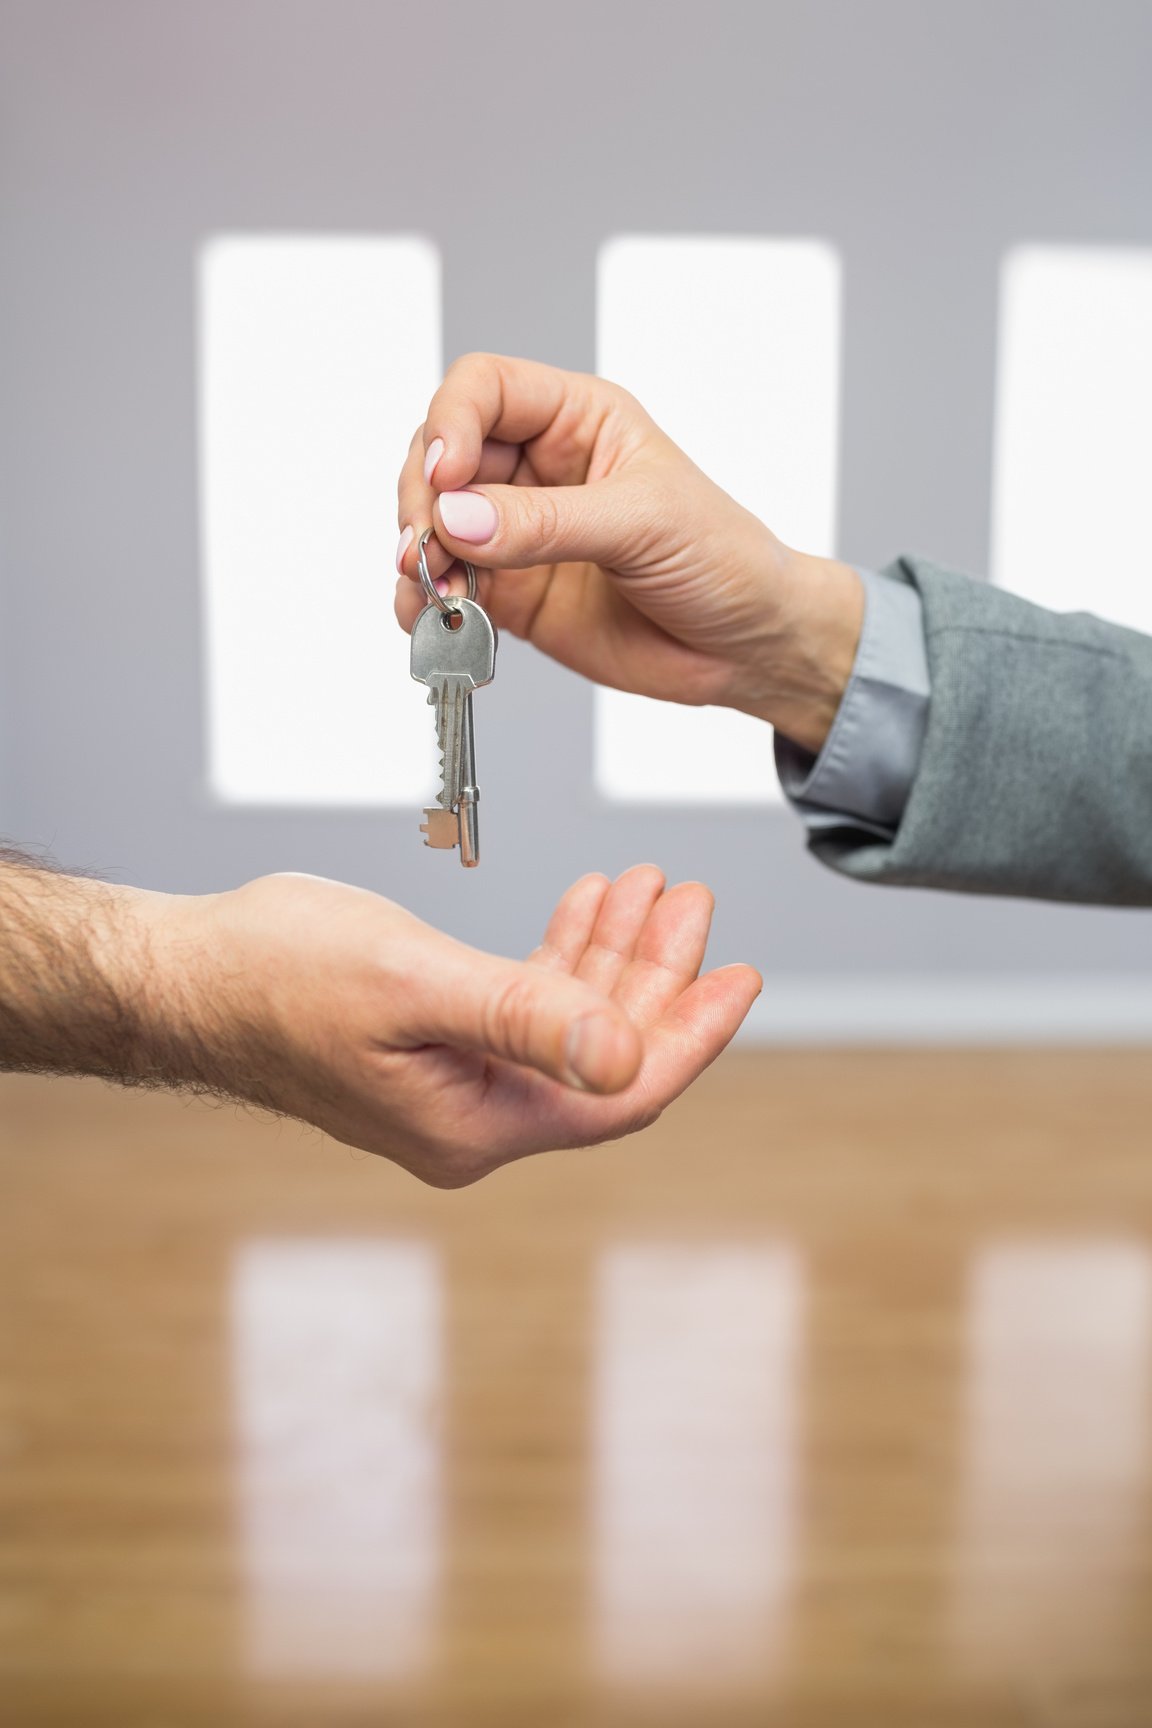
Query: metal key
[{"x": 453, "y": 662}]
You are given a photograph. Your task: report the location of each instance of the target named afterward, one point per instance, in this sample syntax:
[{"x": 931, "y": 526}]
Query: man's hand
[
  {"x": 599, "y": 541},
  {"x": 335, "y": 1006}
]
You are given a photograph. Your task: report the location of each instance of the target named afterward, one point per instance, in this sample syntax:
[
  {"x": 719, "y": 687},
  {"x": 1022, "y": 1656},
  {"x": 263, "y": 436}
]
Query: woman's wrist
[{"x": 796, "y": 676}]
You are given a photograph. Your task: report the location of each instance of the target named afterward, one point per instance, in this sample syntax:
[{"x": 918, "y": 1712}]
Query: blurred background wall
[{"x": 920, "y": 144}]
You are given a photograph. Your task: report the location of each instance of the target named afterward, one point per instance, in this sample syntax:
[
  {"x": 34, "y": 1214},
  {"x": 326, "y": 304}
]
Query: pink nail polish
[
  {"x": 442, "y": 585},
  {"x": 468, "y": 516},
  {"x": 432, "y": 456},
  {"x": 405, "y": 542}
]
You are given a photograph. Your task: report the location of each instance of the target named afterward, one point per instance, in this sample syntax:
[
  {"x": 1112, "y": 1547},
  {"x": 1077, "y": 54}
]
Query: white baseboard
[{"x": 1063, "y": 1009}]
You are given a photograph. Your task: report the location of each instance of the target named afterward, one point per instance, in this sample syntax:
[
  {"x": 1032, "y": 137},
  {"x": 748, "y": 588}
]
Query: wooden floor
[{"x": 827, "y": 1402}]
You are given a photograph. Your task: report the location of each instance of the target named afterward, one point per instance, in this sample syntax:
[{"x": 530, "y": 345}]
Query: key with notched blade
[{"x": 453, "y": 660}]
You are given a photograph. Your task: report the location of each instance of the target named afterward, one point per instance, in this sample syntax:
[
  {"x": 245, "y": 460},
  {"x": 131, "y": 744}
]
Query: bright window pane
[
  {"x": 733, "y": 346},
  {"x": 1073, "y": 507},
  {"x": 318, "y": 358}
]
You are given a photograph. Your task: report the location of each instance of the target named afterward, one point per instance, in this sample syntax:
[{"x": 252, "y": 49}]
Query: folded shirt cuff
[{"x": 864, "y": 773}]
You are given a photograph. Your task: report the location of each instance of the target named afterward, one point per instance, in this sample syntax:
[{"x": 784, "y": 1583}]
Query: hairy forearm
[{"x": 87, "y": 983}]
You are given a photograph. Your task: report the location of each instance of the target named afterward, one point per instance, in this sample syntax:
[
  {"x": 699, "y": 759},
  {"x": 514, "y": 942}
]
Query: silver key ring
[{"x": 427, "y": 583}]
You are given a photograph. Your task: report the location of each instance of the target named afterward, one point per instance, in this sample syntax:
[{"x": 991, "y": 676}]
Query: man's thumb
[{"x": 541, "y": 1020}]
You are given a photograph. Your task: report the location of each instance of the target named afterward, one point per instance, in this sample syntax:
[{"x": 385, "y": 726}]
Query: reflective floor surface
[{"x": 827, "y": 1402}]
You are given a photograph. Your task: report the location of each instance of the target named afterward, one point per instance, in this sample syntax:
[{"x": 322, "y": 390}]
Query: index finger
[{"x": 490, "y": 396}]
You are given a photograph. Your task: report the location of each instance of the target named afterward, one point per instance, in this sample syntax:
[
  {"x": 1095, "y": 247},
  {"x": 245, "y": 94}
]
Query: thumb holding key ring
[{"x": 429, "y": 586}]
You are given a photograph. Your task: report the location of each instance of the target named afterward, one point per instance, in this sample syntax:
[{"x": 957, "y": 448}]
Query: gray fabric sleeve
[
  {"x": 863, "y": 775},
  {"x": 1035, "y": 775}
]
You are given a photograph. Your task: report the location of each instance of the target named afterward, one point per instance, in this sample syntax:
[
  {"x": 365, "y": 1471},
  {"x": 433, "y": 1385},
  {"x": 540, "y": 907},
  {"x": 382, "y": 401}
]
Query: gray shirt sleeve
[
  {"x": 863, "y": 775},
  {"x": 1035, "y": 771}
]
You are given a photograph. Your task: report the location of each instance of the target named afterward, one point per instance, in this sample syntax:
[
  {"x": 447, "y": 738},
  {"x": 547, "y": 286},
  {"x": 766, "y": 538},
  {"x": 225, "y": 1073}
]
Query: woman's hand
[{"x": 600, "y": 542}]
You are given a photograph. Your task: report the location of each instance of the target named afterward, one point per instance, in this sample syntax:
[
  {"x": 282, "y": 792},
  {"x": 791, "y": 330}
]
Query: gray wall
[{"x": 922, "y": 138}]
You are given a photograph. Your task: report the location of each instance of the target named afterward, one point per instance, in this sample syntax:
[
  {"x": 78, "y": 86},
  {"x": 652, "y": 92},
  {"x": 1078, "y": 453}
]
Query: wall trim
[{"x": 984, "y": 1009}]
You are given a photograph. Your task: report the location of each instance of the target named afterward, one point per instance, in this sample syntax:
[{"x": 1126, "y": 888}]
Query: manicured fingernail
[
  {"x": 468, "y": 516},
  {"x": 441, "y": 585},
  {"x": 405, "y": 542},
  {"x": 431, "y": 456},
  {"x": 591, "y": 1051}
]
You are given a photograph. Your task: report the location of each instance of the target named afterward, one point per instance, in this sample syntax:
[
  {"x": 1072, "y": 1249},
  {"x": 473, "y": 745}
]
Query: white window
[
  {"x": 733, "y": 346},
  {"x": 1072, "y": 520},
  {"x": 318, "y": 357},
  {"x": 337, "y": 1371}
]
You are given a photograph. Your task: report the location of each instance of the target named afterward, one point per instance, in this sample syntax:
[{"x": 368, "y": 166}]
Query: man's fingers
[
  {"x": 620, "y": 920},
  {"x": 696, "y": 1029},
  {"x": 571, "y": 925},
  {"x": 525, "y": 1014},
  {"x": 668, "y": 954},
  {"x": 676, "y": 1051}
]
